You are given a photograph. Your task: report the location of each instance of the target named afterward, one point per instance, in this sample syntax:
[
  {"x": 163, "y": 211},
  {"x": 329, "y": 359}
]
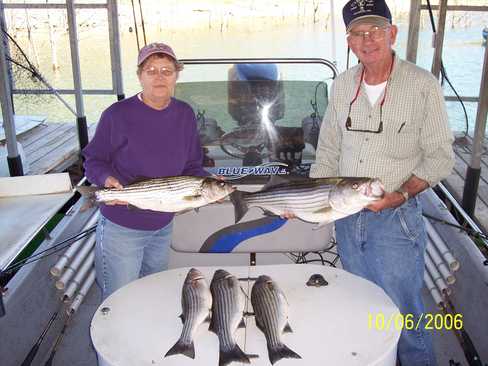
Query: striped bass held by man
[
  {"x": 319, "y": 200},
  {"x": 271, "y": 314},
  {"x": 169, "y": 194},
  {"x": 227, "y": 316},
  {"x": 196, "y": 303}
]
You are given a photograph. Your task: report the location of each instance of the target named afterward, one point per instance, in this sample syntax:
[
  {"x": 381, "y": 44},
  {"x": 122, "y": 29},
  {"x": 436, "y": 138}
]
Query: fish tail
[
  {"x": 236, "y": 354},
  {"x": 89, "y": 193},
  {"x": 240, "y": 204},
  {"x": 280, "y": 351},
  {"x": 187, "y": 349}
]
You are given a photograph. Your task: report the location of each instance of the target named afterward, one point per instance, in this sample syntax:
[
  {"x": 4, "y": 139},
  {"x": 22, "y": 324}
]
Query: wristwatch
[{"x": 403, "y": 192}]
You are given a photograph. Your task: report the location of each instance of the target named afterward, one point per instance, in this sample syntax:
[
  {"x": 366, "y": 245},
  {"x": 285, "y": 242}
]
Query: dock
[
  {"x": 51, "y": 147},
  {"x": 455, "y": 182}
]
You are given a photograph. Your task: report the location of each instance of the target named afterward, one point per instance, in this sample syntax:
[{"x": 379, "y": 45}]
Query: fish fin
[
  {"x": 275, "y": 180},
  {"x": 287, "y": 328},
  {"x": 191, "y": 198},
  {"x": 211, "y": 326},
  {"x": 183, "y": 212},
  {"x": 89, "y": 193},
  {"x": 280, "y": 351},
  {"x": 234, "y": 355},
  {"x": 187, "y": 349},
  {"x": 182, "y": 317},
  {"x": 320, "y": 225},
  {"x": 208, "y": 318},
  {"x": 268, "y": 213},
  {"x": 259, "y": 324},
  {"x": 131, "y": 207},
  {"x": 140, "y": 179},
  {"x": 240, "y": 204},
  {"x": 328, "y": 211},
  {"x": 242, "y": 324}
]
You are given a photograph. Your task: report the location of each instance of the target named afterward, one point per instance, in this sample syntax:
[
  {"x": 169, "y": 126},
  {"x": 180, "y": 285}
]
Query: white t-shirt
[{"x": 374, "y": 91}]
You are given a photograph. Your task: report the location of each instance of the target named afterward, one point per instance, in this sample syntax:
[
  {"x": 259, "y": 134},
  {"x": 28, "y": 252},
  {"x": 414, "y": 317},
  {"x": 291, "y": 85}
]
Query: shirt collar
[{"x": 396, "y": 61}]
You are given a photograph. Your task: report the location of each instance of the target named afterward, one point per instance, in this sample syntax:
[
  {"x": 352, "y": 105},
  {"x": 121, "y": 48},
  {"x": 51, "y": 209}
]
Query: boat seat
[{"x": 139, "y": 323}]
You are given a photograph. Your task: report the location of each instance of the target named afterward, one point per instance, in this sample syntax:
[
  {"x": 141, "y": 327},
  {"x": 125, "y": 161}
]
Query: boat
[
  {"x": 48, "y": 302},
  {"x": 282, "y": 148}
]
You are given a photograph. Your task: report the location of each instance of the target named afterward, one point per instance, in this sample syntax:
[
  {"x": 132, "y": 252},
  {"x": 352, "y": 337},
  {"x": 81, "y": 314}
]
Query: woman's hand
[{"x": 112, "y": 182}]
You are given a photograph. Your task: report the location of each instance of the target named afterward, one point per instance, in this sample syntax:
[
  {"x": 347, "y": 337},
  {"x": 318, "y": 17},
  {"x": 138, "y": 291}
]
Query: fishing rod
[
  {"x": 49, "y": 361},
  {"x": 2, "y": 305},
  {"x": 54, "y": 248},
  {"x": 471, "y": 232},
  {"x": 35, "y": 348},
  {"x": 463, "y": 337}
]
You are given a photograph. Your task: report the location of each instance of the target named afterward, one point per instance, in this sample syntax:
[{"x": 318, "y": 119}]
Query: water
[{"x": 463, "y": 58}]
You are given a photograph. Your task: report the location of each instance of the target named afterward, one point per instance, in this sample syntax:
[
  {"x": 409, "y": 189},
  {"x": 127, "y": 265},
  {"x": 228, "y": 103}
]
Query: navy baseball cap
[{"x": 368, "y": 11}]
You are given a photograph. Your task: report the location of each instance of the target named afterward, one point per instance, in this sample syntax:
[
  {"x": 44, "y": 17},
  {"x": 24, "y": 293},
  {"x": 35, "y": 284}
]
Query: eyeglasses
[
  {"x": 165, "y": 71},
  {"x": 375, "y": 34},
  {"x": 348, "y": 119}
]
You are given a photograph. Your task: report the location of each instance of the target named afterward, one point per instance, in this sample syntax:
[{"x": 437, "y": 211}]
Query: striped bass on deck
[
  {"x": 169, "y": 194},
  {"x": 196, "y": 303},
  {"x": 271, "y": 315},
  {"x": 314, "y": 200},
  {"x": 227, "y": 315}
]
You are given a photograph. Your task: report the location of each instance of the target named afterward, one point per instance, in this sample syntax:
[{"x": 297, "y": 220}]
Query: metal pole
[
  {"x": 413, "y": 30},
  {"x": 75, "y": 65},
  {"x": 5, "y": 44},
  {"x": 474, "y": 169},
  {"x": 115, "y": 58},
  {"x": 333, "y": 31},
  {"x": 13, "y": 158},
  {"x": 439, "y": 39}
]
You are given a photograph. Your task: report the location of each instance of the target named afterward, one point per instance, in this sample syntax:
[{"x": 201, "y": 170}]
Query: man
[{"x": 386, "y": 119}]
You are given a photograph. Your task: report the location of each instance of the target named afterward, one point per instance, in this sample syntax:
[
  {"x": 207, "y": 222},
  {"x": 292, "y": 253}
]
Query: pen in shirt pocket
[{"x": 401, "y": 126}]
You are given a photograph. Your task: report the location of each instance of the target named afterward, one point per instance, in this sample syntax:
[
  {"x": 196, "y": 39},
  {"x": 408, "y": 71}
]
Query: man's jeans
[
  {"x": 122, "y": 255},
  {"x": 388, "y": 249}
]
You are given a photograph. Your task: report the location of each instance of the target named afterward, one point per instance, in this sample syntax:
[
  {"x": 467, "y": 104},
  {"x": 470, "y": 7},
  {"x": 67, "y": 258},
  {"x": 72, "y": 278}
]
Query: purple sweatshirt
[{"x": 135, "y": 141}]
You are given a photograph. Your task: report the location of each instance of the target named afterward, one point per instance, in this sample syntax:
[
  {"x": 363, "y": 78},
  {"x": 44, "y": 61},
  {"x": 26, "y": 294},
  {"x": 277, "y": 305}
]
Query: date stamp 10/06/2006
[{"x": 428, "y": 321}]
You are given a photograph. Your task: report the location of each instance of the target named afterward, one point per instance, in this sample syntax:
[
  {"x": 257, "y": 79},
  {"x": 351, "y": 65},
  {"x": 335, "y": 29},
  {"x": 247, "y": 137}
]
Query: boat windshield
[{"x": 255, "y": 116}]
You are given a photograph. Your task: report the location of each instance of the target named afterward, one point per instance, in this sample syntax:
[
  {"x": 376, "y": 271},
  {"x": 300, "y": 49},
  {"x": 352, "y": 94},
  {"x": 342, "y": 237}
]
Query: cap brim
[
  {"x": 369, "y": 19},
  {"x": 154, "y": 53}
]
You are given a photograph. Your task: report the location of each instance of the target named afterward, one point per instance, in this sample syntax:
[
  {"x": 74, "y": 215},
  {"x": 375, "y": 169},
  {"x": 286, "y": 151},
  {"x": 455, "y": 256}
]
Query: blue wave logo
[{"x": 272, "y": 168}]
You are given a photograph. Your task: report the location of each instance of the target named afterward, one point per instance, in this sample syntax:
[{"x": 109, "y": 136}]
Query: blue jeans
[
  {"x": 388, "y": 249},
  {"x": 123, "y": 255}
]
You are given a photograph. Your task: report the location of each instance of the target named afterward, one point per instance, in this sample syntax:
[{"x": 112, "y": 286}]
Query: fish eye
[{"x": 222, "y": 183}]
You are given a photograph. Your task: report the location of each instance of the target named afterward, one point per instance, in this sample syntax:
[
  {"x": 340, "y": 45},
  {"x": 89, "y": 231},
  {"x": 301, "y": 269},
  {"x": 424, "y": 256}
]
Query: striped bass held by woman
[
  {"x": 170, "y": 194},
  {"x": 320, "y": 200}
]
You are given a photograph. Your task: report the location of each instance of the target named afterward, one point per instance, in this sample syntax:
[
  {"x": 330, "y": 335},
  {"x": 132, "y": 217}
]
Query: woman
[{"x": 148, "y": 135}]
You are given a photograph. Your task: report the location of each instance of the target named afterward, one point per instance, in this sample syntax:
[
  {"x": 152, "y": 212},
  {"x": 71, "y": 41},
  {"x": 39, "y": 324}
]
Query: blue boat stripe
[{"x": 226, "y": 239}]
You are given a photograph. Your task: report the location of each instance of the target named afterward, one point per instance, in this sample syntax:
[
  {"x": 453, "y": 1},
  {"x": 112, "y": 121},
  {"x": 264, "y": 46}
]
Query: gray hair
[{"x": 178, "y": 65}]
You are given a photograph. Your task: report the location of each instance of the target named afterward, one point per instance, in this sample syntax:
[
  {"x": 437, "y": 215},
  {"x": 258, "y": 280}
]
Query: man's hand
[
  {"x": 389, "y": 200},
  {"x": 288, "y": 215},
  {"x": 112, "y": 182}
]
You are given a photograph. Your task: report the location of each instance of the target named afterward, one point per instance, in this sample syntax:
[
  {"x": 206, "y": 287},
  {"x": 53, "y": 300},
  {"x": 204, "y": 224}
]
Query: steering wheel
[{"x": 244, "y": 140}]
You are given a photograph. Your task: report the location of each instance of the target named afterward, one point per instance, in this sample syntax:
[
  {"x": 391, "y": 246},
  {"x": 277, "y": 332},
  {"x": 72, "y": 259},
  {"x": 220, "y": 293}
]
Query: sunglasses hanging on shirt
[{"x": 348, "y": 119}]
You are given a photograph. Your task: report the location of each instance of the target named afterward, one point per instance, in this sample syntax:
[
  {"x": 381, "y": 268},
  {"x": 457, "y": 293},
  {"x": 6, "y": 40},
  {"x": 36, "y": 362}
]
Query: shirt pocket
[{"x": 402, "y": 135}]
